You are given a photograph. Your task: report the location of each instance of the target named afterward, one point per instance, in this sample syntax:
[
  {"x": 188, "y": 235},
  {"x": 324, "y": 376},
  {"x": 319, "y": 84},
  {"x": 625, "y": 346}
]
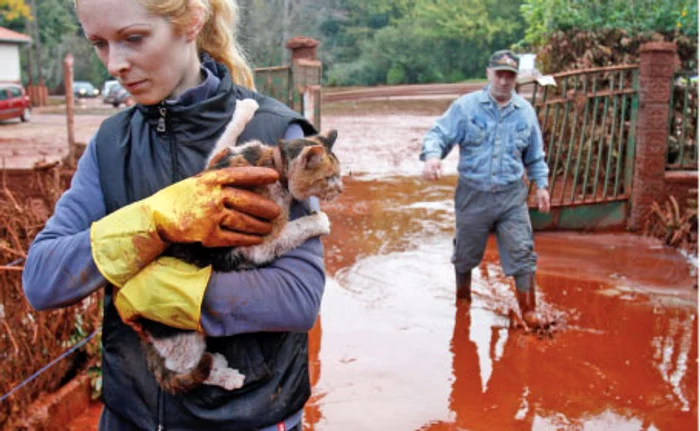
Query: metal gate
[
  {"x": 297, "y": 86},
  {"x": 588, "y": 124}
]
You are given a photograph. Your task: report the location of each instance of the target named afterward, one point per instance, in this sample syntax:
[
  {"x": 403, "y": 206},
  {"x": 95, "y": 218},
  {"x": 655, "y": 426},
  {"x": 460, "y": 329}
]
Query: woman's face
[{"x": 139, "y": 49}]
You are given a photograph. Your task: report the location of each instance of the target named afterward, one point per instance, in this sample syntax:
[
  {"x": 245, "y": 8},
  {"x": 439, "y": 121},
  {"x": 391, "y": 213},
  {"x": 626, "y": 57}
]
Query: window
[
  {"x": 15, "y": 92},
  {"x": 3, "y": 93}
]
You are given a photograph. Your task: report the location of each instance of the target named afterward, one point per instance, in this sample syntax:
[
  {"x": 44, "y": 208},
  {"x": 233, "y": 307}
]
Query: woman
[{"x": 133, "y": 193}]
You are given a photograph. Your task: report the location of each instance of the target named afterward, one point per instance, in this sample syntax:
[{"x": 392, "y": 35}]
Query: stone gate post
[
  {"x": 657, "y": 63},
  {"x": 306, "y": 77}
]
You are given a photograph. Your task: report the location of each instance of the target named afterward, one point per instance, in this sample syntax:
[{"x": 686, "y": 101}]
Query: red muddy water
[{"x": 392, "y": 351}]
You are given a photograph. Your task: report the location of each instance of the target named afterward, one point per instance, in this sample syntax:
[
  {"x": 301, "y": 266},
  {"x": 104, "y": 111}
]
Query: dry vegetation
[
  {"x": 31, "y": 339},
  {"x": 675, "y": 226}
]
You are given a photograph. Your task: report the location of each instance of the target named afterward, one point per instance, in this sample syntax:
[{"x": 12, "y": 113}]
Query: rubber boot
[
  {"x": 525, "y": 294},
  {"x": 464, "y": 285}
]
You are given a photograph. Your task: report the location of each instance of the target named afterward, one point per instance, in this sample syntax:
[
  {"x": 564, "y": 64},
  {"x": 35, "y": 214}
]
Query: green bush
[{"x": 396, "y": 75}]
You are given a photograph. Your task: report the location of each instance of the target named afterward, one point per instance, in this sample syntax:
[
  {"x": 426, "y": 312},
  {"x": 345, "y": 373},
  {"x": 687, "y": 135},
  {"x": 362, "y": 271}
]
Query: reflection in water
[
  {"x": 487, "y": 335},
  {"x": 488, "y": 391},
  {"x": 312, "y": 409},
  {"x": 672, "y": 350}
]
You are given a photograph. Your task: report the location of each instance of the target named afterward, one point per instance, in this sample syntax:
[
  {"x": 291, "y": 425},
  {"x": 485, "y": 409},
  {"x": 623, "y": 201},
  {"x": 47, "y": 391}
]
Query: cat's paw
[
  {"x": 246, "y": 109},
  {"x": 323, "y": 223},
  {"x": 219, "y": 362},
  {"x": 232, "y": 379},
  {"x": 223, "y": 376}
]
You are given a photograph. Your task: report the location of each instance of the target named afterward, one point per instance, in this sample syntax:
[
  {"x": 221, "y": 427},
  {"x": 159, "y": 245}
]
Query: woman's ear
[{"x": 196, "y": 23}]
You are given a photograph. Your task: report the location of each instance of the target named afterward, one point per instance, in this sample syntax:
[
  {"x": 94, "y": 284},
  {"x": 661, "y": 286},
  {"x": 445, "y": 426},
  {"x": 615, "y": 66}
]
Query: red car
[{"x": 14, "y": 102}]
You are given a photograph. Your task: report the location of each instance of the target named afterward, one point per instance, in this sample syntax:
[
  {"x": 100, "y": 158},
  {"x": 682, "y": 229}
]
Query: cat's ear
[
  {"x": 312, "y": 156},
  {"x": 329, "y": 138}
]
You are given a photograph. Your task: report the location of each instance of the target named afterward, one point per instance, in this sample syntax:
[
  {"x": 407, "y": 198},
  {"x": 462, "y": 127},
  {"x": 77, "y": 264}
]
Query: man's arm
[
  {"x": 440, "y": 139},
  {"x": 537, "y": 169},
  {"x": 447, "y": 131},
  {"x": 534, "y": 157}
]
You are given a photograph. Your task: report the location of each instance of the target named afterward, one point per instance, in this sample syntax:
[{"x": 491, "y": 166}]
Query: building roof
[{"x": 7, "y": 35}]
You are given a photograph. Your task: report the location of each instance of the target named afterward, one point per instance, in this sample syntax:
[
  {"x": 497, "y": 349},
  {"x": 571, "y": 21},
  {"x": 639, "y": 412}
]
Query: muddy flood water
[{"x": 392, "y": 350}]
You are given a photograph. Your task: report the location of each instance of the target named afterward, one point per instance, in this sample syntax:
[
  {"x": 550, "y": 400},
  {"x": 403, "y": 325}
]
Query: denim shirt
[{"x": 496, "y": 144}]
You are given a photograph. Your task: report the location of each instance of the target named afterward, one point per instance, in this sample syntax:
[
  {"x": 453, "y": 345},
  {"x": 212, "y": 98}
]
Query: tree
[
  {"x": 415, "y": 41},
  {"x": 266, "y": 25},
  {"x": 13, "y": 10}
]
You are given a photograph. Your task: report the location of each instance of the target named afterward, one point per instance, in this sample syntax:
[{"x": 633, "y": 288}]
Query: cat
[{"x": 307, "y": 167}]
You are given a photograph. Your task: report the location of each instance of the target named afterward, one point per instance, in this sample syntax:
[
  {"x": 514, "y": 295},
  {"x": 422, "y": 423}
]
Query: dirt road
[
  {"x": 43, "y": 139},
  {"x": 401, "y": 91}
]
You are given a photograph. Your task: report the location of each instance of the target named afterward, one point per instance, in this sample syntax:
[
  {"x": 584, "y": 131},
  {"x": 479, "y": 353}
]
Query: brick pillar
[
  {"x": 657, "y": 63},
  {"x": 302, "y": 47},
  {"x": 306, "y": 78}
]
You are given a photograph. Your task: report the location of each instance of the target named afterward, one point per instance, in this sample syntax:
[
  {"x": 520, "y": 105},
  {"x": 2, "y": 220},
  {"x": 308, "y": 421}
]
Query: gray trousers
[{"x": 478, "y": 213}]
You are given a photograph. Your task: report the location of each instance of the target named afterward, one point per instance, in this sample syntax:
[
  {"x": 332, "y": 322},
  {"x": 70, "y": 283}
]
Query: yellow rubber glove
[
  {"x": 210, "y": 208},
  {"x": 168, "y": 291}
]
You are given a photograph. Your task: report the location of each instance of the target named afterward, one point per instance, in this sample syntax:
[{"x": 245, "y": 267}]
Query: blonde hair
[{"x": 218, "y": 36}]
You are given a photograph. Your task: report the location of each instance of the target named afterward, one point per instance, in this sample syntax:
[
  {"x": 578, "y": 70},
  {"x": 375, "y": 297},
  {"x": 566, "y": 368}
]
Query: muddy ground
[{"x": 392, "y": 350}]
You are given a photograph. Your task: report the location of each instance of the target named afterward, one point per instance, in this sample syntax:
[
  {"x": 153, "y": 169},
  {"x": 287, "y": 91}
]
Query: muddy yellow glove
[
  {"x": 168, "y": 291},
  {"x": 210, "y": 208}
]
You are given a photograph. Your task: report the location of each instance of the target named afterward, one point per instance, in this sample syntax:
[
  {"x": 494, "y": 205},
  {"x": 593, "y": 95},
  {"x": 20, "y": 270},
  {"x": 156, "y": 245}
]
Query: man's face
[
  {"x": 502, "y": 84},
  {"x": 139, "y": 49}
]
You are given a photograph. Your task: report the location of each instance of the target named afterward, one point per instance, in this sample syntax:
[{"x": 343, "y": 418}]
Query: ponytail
[{"x": 218, "y": 38}]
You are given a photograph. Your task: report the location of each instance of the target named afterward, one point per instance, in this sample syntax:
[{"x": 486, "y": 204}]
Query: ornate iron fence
[{"x": 588, "y": 124}]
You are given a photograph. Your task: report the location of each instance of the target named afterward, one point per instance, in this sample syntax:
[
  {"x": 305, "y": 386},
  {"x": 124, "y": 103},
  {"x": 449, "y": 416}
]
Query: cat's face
[{"x": 313, "y": 168}]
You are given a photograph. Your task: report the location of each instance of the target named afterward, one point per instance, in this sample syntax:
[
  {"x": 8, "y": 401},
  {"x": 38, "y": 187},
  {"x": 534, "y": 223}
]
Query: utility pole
[{"x": 68, "y": 82}]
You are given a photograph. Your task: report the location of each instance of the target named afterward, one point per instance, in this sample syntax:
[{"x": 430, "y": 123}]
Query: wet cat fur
[{"x": 178, "y": 359}]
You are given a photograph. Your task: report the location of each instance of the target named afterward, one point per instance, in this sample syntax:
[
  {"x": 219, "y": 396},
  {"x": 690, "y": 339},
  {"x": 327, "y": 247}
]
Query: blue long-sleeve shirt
[{"x": 496, "y": 145}]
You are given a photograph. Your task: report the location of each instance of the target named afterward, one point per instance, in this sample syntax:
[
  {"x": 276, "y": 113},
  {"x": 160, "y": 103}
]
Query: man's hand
[
  {"x": 543, "y": 200},
  {"x": 432, "y": 169}
]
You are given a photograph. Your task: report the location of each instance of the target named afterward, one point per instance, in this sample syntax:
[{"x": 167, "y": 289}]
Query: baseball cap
[{"x": 504, "y": 60}]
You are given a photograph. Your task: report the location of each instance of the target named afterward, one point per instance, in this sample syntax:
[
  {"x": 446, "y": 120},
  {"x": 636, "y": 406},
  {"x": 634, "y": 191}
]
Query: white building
[{"x": 10, "y": 42}]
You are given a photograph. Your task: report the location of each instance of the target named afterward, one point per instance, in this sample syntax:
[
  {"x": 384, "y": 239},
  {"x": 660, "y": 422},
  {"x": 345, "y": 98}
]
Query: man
[{"x": 499, "y": 140}]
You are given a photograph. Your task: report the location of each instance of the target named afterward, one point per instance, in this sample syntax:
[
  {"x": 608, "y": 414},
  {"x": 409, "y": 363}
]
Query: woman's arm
[
  {"x": 59, "y": 270},
  {"x": 283, "y": 296}
]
